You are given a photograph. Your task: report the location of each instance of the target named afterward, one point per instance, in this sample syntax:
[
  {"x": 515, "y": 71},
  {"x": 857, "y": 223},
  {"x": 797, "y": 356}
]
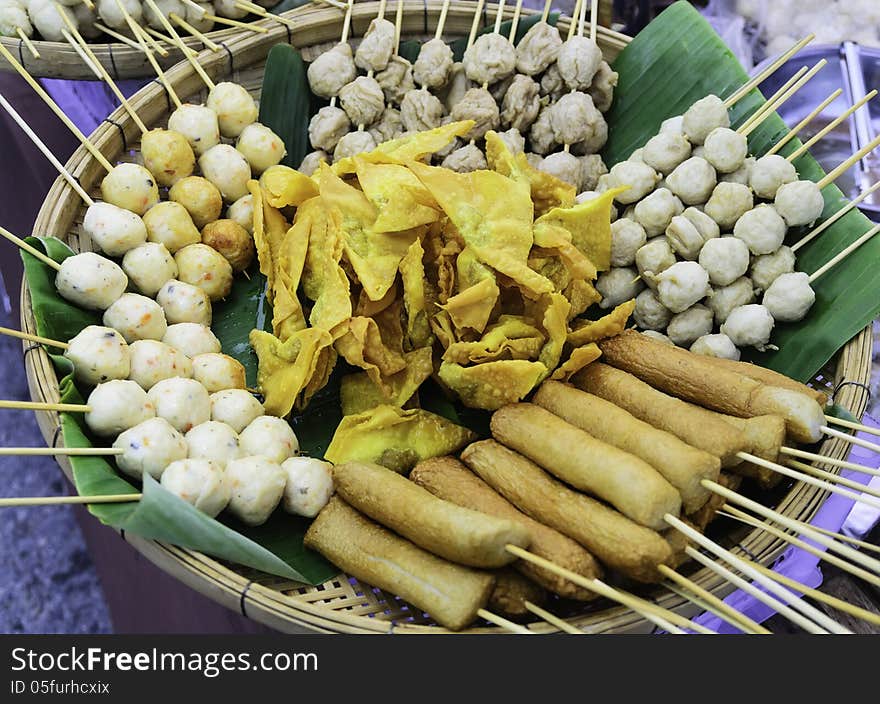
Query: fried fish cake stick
[
  {"x": 629, "y": 484},
  {"x": 618, "y": 542},
  {"x": 695, "y": 426},
  {"x": 449, "y": 479},
  {"x": 766, "y": 435},
  {"x": 458, "y": 534},
  {"x": 512, "y": 591},
  {"x": 769, "y": 377},
  {"x": 692, "y": 377},
  {"x": 680, "y": 464},
  {"x": 450, "y": 593},
  {"x": 704, "y": 516}
]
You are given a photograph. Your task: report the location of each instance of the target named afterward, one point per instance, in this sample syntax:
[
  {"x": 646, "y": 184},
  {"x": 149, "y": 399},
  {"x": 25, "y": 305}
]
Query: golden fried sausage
[
  {"x": 456, "y": 533},
  {"x": 512, "y": 591},
  {"x": 693, "y": 377},
  {"x": 617, "y": 541},
  {"x": 769, "y": 377},
  {"x": 766, "y": 435},
  {"x": 449, "y": 479},
  {"x": 695, "y": 426},
  {"x": 704, "y": 516},
  {"x": 680, "y": 464},
  {"x": 450, "y": 593},
  {"x": 629, "y": 484}
]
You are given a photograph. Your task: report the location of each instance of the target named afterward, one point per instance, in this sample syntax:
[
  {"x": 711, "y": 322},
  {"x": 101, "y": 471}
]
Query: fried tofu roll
[
  {"x": 696, "y": 378},
  {"x": 617, "y": 541},
  {"x": 458, "y": 534},
  {"x": 449, "y": 479},
  {"x": 629, "y": 484},
  {"x": 450, "y": 593},
  {"x": 702, "y": 518},
  {"x": 512, "y": 591},
  {"x": 695, "y": 426},
  {"x": 769, "y": 377},
  {"x": 680, "y": 464},
  {"x": 765, "y": 434}
]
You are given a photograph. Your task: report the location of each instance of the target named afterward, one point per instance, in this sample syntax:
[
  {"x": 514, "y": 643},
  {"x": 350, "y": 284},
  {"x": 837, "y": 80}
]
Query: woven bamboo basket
[{"x": 343, "y": 605}]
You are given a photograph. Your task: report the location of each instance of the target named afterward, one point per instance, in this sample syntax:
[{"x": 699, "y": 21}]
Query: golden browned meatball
[
  {"x": 200, "y": 197},
  {"x": 232, "y": 241}
]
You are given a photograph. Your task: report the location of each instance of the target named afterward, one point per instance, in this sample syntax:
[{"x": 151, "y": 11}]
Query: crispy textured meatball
[
  {"x": 388, "y": 127},
  {"x": 478, "y": 105},
  {"x": 489, "y": 59},
  {"x": 232, "y": 241},
  {"x": 602, "y": 88},
  {"x": 579, "y": 60},
  {"x": 538, "y": 49},
  {"x": 468, "y": 158},
  {"x": 327, "y": 127},
  {"x": 564, "y": 166},
  {"x": 573, "y": 117},
  {"x": 376, "y": 47},
  {"x": 521, "y": 103},
  {"x": 420, "y": 110},
  {"x": 541, "y": 137},
  {"x": 433, "y": 64},
  {"x": 200, "y": 198},
  {"x": 592, "y": 169},
  {"x": 331, "y": 71},
  {"x": 552, "y": 85},
  {"x": 312, "y": 161},
  {"x": 354, "y": 143},
  {"x": 363, "y": 100},
  {"x": 396, "y": 79}
]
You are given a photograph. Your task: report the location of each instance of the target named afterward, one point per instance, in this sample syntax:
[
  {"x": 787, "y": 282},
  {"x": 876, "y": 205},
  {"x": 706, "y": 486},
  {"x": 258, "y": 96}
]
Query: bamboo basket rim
[{"x": 264, "y": 598}]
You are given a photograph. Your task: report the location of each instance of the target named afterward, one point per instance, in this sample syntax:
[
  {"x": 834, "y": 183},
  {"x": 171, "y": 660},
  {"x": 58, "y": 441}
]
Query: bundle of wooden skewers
[{"x": 764, "y": 463}]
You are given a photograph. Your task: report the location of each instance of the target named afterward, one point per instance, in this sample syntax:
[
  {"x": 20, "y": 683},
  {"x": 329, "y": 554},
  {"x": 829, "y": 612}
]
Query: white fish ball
[
  {"x": 218, "y": 371},
  {"x": 191, "y": 339},
  {"x": 704, "y": 116},
  {"x": 717, "y": 345},
  {"x": 761, "y": 228},
  {"x": 728, "y": 202},
  {"x": 799, "y": 203},
  {"x": 149, "y": 267},
  {"x": 692, "y": 180},
  {"x": 790, "y": 297},
  {"x": 201, "y": 483},
  {"x": 261, "y": 147},
  {"x": 767, "y": 267},
  {"x": 184, "y": 303},
  {"x": 725, "y": 259},
  {"x": 148, "y": 448},
  {"x": 682, "y": 285},
  {"x": 242, "y": 212},
  {"x": 269, "y": 436},
  {"x": 724, "y": 299},
  {"x": 617, "y": 285},
  {"x": 687, "y": 326},
  {"x": 658, "y": 337},
  {"x": 226, "y": 168},
  {"x": 90, "y": 281},
  {"x": 257, "y": 485},
  {"x": 234, "y": 106},
  {"x": 705, "y": 225},
  {"x": 652, "y": 258},
  {"x": 769, "y": 173},
  {"x": 655, "y": 212},
  {"x": 725, "y": 149},
  {"x": 98, "y": 354},
  {"x": 749, "y": 326},
  {"x": 637, "y": 176},
  {"x": 665, "y": 151},
  {"x": 198, "y": 124},
  {"x": 136, "y": 317},
  {"x": 672, "y": 125},
  {"x": 115, "y": 230},
  {"x": 184, "y": 403},
  {"x": 742, "y": 174},
  {"x": 116, "y": 406},
  {"x": 650, "y": 313},
  {"x": 212, "y": 440},
  {"x": 309, "y": 485},
  {"x": 235, "y": 407},
  {"x": 627, "y": 236},
  {"x": 684, "y": 238},
  {"x": 131, "y": 187},
  {"x": 152, "y": 361}
]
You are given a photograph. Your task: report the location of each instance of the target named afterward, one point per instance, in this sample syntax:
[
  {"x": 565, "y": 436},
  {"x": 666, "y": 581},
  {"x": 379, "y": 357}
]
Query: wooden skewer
[
  {"x": 346, "y": 25},
  {"x": 848, "y": 423},
  {"x": 832, "y": 559},
  {"x": 808, "y": 610},
  {"x": 553, "y": 620},
  {"x": 165, "y": 38},
  {"x": 836, "y": 478},
  {"x": 868, "y": 563},
  {"x": 65, "y": 451},
  {"x": 195, "y": 6},
  {"x": 846, "y": 165},
  {"x": 807, "y": 479},
  {"x": 767, "y": 72},
  {"x": 712, "y": 602},
  {"x": 793, "y": 132},
  {"x": 334, "y": 3},
  {"x": 57, "y": 500},
  {"x": 546, "y": 13},
  {"x": 780, "y": 607},
  {"x": 197, "y": 67},
  {"x": 48, "y": 261},
  {"x": 27, "y": 42},
  {"x": 504, "y": 623},
  {"x": 118, "y": 37},
  {"x": 139, "y": 35},
  {"x": 475, "y": 25},
  {"x": 831, "y": 601},
  {"x": 785, "y": 86},
  {"x": 771, "y": 107},
  {"x": 849, "y": 539},
  {"x": 398, "y": 24},
  {"x": 26, "y": 128},
  {"x": 263, "y": 12},
  {"x": 594, "y": 18},
  {"x": 499, "y": 15},
  {"x": 803, "y": 454},
  {"x": 655, "y": 614},
  {"x": 834, "y": 262},
  {"x": 514, "y": 23},
  {"x": 441, "y": 23},
  {"x": 33, "y": 338},
  {"x": 180, "y": 22},
  {"x": 830, "y": 126},
  {"x": 45, "y": 406},
  {"x": 575, "y": 18},
  {"x": 810, "y": 236},
  {"x": 77, "y": 48},
  {"x": 250, "y": 26},
  {"x": 846, "y": 437},
  {"x": 102, "y": 74},
  {"x": 89, "y": 4},
  {"x": 38, "y": 89}
]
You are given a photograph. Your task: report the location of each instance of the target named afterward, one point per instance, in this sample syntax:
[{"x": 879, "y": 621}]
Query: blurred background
[{"x": 62, "y": 572}]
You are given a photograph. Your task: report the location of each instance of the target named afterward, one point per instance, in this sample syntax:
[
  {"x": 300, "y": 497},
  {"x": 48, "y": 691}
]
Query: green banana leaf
[
  {"x": 275, "y": 547},
  {"x": 285, "y": 101},
  {"x": 673, "y": 62}
]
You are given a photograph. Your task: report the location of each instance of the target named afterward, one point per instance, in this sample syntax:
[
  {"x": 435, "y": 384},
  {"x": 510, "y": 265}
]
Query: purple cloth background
[{"x": 87, "y": 103}]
